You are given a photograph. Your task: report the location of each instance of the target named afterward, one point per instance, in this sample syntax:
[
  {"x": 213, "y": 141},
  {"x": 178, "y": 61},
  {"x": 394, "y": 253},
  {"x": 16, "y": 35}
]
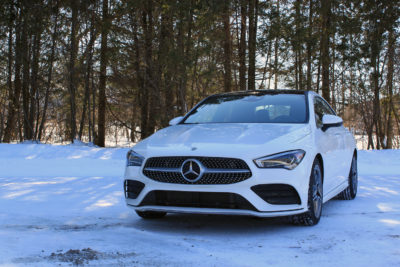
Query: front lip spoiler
[{"x": 189, "y": 210}]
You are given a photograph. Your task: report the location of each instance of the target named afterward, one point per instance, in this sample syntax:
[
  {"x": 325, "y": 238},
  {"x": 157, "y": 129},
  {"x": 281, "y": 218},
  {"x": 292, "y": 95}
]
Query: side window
[
  {"x": 327, "y": 108},
  {"x": 321, "y": 108},
  {"x": 319, "y": 112}
]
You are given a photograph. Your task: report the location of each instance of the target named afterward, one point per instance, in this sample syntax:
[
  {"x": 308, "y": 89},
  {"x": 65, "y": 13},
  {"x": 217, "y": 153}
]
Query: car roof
[{"x": 264, "y": 92}]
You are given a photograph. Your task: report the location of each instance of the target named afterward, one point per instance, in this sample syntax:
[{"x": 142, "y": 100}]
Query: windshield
[{"x": 265, "y": 108}]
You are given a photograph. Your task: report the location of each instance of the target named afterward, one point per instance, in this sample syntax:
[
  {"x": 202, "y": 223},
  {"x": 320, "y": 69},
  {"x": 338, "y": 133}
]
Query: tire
[
  {"x": 151, "y": 214},
  {"x": 351, "y": 191},
  {"x": 315, "y": 198}
]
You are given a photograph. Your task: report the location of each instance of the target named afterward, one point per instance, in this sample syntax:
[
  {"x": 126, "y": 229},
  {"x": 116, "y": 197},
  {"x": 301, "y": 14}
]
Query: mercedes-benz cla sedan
[{"x": 258, "y": 153}]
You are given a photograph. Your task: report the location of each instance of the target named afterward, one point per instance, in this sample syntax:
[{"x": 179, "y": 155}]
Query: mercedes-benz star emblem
[{"x": 192, "y": 170}]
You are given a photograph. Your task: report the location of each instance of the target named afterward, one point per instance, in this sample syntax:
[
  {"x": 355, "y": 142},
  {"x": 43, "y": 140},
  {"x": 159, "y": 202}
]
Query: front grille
[
  {"x": 196, "y": 200},
  {"x": 216, "y": 170},
  {"x": 278, "y": 194},
  {"x": 208, "y": 162}
]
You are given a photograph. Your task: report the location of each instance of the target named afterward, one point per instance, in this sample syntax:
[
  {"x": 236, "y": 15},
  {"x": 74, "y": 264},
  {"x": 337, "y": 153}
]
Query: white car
[{"x": 259, "y": 153}]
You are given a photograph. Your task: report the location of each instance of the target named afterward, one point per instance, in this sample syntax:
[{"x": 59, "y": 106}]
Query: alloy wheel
[
  {"x": 354, "y": 176},
  {"x": 317, "y": 194}
]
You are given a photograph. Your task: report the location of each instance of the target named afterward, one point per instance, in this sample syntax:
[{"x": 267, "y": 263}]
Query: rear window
[{"x": 266, "y": 108}]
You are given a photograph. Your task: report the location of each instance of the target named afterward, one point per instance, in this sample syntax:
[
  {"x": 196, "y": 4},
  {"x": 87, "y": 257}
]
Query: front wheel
[
  {"x": 315, "y": 198},
  {"x": 351, "y": 191}
]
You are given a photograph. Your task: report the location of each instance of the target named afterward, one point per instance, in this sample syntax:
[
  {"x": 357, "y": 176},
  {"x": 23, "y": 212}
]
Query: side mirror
[
  {"x": 175, "y": 121},
  {"x": 331, "y": 121}
]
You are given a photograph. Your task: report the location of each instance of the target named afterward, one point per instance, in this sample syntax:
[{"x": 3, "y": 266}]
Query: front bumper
[
  {"x": 219, "y": 211},
  {"x": 297, "y": 178}
]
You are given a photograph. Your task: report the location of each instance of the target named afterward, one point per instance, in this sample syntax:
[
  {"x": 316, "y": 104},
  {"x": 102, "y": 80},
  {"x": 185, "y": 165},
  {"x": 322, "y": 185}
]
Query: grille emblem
[{"x": 192, "y": 170}]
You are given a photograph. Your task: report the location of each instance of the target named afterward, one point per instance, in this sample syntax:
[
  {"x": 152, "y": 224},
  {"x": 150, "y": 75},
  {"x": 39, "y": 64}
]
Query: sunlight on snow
[
  {"x": 58, "y": 180},
  {"x": 110, "y": 200},
  {"x": 16, "y": 194},
  {"x": 108, "y": 186},
  {"x": 385, "y": 207},
  {"x": 390, "y": 222},
  {"x": 75, "y": 157},
  {"x": 89, "y": 200},
  {"x": 95, "y": 178},
  {"x": 377, "y": 190},
  {"x": 106, "y": 155},
  {"x": 36, "y": 197},
  {"x": 387, "y": 190},
  {"x": 23, "y": 188},
  {"x": 62, "y": 191}
]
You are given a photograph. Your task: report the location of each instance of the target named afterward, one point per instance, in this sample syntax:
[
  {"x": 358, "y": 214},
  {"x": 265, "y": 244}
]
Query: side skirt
[{"x": 334, "y": 192}]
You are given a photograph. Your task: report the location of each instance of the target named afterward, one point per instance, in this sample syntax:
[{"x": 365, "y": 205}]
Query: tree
[
  {"x": 108, "y": 70},
  {"x": 101, "y": 121},
  {"x": 72, "y": 68},
  {"x": 242, "y": 45},
  {"x": 13, "y": 92},
  {"x": 253, "y": 17},
  {"x": 227, "y": 46},
  {"x": 326, "y": 6}
]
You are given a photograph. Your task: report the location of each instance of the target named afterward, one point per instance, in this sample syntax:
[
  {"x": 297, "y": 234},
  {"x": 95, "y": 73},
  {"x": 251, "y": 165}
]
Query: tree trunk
[
  {"x": 389, "y": 84},
  {"x": 253, "y": 17},
  {"x": 296, "y": 69},
  {"x": 50, "y": 71},
  {"x": 325, "y": 58},
  {"x": 332, "y": 79},
  {"x": 319, "y": 69},
  {"x": 166, "y": 66},
  {"x": 144, "y": 90},
  {"x": 309, "y": 44},
  {"x": 26, "y": 75},
  {"x": 276, "y": 59},
  {"x": 298, "y": 46},
  {"x": 182, "y": 77},
  {"x": 227, "y": 47},
  {"x": 242, "y": 45},
  {"x": 101, "y": 120},
  {"x": 89, "y": 67},
  {"x": 72, "y": 70},
  {"x": 13, "y": 93},
  {"x": 93, "y": 121},
  {"x": 34, "y": 79},
  {"x": 374, "y": 59},
  {"x": 139, "y": 80},
  {"x": 268, "y": 60},
  {"x": 151, "y": 82}
]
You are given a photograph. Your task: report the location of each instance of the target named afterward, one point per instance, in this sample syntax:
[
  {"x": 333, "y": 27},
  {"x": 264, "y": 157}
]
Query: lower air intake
[
  {"x": 133, "y": 188},
  {"x": 196, "y": 200},
  {"x": 277, "y": 194}
]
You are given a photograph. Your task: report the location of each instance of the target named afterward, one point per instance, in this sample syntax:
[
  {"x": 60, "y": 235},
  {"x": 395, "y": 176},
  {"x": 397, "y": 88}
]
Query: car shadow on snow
[{"x": 213, "y": 224}]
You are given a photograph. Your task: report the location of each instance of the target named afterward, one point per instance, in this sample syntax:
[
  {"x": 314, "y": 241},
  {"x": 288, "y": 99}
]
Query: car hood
[{"x": 223, "y": 139}]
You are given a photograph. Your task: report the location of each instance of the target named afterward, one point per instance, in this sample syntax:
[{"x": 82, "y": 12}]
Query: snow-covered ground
[{"x": 64, "y": 205}]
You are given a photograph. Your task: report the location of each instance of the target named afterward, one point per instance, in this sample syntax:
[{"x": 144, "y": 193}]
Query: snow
[{"x": 64, "y": 205}]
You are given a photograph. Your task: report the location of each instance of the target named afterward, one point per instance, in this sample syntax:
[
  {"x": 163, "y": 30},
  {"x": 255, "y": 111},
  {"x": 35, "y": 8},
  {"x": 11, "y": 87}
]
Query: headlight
[
  {"x": 134, "y": 159},
  {"x": 287, "y": 160}
]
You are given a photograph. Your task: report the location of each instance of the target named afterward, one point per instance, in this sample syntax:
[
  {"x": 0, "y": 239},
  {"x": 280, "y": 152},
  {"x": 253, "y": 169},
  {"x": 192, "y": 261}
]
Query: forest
[{"x": 86, "y": 70}]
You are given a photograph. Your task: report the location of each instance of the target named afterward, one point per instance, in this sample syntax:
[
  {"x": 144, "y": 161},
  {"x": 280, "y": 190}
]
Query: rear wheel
[
  {"x": 151, "y": 214},
  {"x": 315, "y": 198},
  {"x": 351, "y": 191}
]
